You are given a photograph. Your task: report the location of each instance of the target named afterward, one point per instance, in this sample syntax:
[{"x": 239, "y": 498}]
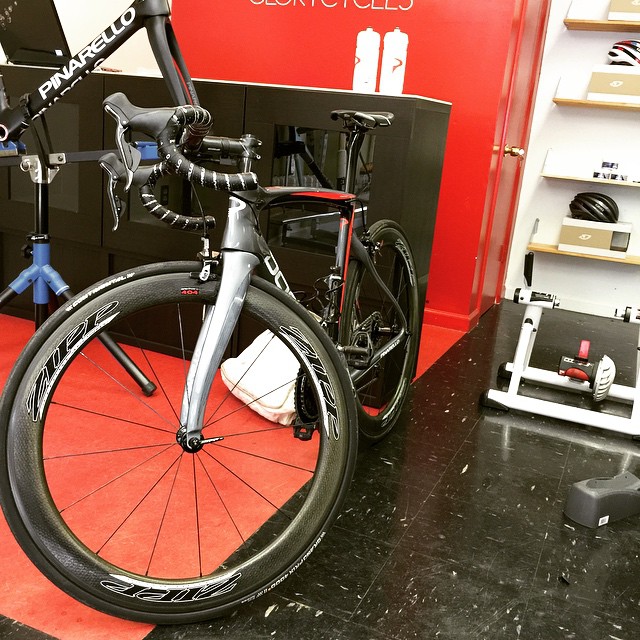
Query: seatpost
[{"x": 354, "y": 144}]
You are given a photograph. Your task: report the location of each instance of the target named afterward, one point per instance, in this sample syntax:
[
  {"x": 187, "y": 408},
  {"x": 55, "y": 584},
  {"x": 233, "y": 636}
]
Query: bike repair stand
[
  {"x": 41, "y": 275},
  {"x": 574, "y": 374}
]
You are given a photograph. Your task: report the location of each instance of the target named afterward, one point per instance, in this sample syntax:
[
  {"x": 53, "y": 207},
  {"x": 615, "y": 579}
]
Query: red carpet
[
  {"x": 122, "y": 463},
  {"x": 26, "y": 596},
  {"x": 435, "y": 342}
]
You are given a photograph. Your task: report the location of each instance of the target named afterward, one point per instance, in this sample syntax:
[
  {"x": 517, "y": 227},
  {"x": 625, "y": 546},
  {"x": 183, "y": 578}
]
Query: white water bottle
[
  {"x": 365, "y": 70},
  {"x": 394, "y": 61}
]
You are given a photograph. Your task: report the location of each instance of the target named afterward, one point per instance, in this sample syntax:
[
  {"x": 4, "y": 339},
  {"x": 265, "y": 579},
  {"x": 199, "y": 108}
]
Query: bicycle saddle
[{"x": 365, "y": 119}]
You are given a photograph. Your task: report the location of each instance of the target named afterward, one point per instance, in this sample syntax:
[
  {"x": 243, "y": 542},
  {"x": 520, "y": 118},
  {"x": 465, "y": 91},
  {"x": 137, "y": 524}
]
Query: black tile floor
[{"x": 454, "y": 527}]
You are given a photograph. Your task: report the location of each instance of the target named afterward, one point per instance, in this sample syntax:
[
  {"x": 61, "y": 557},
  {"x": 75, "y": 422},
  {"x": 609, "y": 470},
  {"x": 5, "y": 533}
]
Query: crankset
[
  {"x": 306, "y": 409},
  {"x": 363, "y": 341}
]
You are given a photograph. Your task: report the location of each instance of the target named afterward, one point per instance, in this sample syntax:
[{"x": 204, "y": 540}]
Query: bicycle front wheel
[
  {"x": 101, "y": 494},
  {"x": 384, "y": 337}
]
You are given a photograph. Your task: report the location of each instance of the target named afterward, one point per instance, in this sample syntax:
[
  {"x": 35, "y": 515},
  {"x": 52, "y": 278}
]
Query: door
[{"x": 512, "y": 133}]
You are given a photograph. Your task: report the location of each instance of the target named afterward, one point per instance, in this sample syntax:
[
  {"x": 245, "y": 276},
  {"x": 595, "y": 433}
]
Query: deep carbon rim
[{"x": 35, "y": 508}]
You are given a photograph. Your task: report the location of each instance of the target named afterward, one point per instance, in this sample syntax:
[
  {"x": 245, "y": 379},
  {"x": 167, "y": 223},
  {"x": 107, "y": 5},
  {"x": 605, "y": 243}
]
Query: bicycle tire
[
  {"x": 83, "y": 476},
  {"x": 369, "y": 318}
]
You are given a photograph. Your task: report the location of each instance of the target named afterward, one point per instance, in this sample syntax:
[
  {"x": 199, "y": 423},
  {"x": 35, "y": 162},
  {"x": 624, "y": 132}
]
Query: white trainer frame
[{"x": 521, "y": 372}]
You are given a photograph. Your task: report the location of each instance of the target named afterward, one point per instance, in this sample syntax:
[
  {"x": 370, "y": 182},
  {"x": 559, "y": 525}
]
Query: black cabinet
[
  {"x": 74, "y": 124},
  {"x": 405, "y": 166}
]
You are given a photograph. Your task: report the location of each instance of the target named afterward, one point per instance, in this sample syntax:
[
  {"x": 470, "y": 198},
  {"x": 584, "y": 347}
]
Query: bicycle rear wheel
[
  {"x": 102, "y": 496},
  {"x": 371, "y": 323}
]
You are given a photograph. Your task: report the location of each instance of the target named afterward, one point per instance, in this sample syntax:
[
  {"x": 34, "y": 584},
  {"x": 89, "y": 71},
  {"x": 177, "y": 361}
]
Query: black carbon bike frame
[{"x": 153, "y": 15}]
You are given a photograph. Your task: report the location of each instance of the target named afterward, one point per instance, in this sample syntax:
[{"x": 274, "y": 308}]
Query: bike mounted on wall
[{"x": 154, "y": 17}]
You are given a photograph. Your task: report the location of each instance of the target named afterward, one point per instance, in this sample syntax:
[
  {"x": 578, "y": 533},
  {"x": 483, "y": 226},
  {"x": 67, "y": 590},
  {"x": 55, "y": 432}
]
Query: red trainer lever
[
  {"x": 578, "y": 368},
  {"x": 583, "y": 352}
]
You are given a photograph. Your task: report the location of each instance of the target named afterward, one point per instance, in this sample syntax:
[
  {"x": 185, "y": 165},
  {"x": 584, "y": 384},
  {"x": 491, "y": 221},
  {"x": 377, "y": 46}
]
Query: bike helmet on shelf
[
  {"x": 597, "y": 207},
  {"x": 625, "y": 52}
]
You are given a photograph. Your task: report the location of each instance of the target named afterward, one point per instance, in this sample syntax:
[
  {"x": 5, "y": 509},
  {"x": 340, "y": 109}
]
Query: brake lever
[
  {"x": 129, "y": 154},
  {"x": 116, "y": 171}
]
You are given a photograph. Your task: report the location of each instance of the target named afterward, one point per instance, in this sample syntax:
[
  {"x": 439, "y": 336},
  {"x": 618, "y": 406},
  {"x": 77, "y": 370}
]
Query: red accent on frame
[
  {"x": 324, "y": 195},
  {"x": 347, "y": 256}
]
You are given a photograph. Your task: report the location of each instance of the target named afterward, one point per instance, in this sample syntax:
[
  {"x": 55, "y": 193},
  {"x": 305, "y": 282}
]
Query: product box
[
  {"x": 615, "y": 83},
  {"x": 628, "y": 10},
  {"x": 595, "y": 238}
]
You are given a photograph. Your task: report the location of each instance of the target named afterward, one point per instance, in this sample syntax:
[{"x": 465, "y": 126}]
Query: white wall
[{"x": 579, "y": 136}]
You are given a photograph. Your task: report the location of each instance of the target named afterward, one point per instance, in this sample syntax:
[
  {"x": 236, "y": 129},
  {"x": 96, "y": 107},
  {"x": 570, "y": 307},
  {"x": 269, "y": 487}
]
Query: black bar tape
[
  {"x": 166, "y": 215},
  {"x": 169, "y": 153},
  {"x": 167, "y": 127}
]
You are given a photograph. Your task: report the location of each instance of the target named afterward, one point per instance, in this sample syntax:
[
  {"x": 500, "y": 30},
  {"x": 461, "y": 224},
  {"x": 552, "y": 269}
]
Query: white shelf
[
  {"x": 615, "y": 183},
  {"x": 549, "y": 248},
  {"x": 579, "y": 166}
]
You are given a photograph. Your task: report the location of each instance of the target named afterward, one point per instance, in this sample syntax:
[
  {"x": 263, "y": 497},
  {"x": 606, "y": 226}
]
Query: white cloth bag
[{"x": 263, "y": 376}]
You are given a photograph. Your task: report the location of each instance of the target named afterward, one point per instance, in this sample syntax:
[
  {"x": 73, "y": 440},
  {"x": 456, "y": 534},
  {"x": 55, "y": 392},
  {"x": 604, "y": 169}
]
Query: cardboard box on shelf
[
  {"x": 614, "y": 83},
  {"x": 595, "y": 238},
  {"x": 627, "y": 10}
]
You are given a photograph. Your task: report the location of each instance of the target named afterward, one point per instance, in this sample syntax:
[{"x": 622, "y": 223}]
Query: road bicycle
[{"x": 184, "y": 504}]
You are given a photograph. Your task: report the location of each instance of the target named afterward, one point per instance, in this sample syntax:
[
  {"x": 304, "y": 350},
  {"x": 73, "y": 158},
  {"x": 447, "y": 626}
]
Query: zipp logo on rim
[
  {"x": 407, "y": 257},
  {"x": 72, "y": 342},
  {"x": 319, "y": 374},
  {"x": 139, "y": 590}
]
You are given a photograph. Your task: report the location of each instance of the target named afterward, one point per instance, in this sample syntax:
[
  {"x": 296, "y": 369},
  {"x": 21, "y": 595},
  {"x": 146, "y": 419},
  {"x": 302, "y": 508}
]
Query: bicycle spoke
[
  {"x": 254, "y": 455},
  {"x": 90, "y": 412},
  {"x": 222, "y": 501},
  {"x": 179, "y": 458},
  {"x": 210, "y": 422},
  {"x": 96, "y": 453},
  {"x": 197, "y": 512},
  {"x": 123, "y": 387},
  {"x": 164, "y": 513},
  {"x": 184, "y": 360},
  {"x": 114, "y": 479}
]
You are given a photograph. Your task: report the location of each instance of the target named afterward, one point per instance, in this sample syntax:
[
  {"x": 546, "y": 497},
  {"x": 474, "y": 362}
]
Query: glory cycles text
[{"x": 383, "y": 5}]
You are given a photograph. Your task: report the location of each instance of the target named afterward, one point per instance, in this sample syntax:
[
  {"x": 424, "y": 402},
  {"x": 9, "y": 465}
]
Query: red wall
[{"x": 457, "y": 52}]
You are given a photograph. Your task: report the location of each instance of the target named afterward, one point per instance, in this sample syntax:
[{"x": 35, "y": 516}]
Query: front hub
[{"x": 191, "y": 444}]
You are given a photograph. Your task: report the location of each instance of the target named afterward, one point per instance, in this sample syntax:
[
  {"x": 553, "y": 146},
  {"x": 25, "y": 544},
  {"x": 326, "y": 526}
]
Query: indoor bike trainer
[{"x": 574, "y": 374}]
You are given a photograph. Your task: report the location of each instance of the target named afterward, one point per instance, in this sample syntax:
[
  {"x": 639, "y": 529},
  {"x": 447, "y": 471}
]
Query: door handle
[{"x": 516, "y": 152}]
